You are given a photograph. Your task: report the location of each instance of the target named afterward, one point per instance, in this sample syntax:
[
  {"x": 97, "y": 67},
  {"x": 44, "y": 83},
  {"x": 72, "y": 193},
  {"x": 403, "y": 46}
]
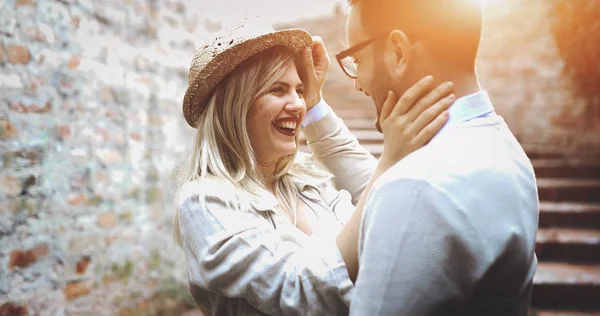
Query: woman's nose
[{"x": 296, "y": 103}]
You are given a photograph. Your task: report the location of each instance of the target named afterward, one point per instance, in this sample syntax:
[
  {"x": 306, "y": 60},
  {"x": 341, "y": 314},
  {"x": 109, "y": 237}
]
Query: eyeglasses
[{"x": 348, "y": 62}]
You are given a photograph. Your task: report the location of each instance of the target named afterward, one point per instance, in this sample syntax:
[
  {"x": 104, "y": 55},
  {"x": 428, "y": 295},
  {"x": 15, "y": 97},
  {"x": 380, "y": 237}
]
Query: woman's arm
[
  {"x": 238, "y": 254},
  {"x": 330, "y": 141},
  {"x": 338, "y": 150}
]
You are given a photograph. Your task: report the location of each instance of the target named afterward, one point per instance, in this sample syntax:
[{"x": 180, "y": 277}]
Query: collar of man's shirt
[
  {"x": 464, "y": 109},
  {"x": 469, "y": 107}
]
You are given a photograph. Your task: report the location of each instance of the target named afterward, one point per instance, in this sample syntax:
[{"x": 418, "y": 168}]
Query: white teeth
[
  {"x": 287, "y": 124},
  {"x": 291, "y": 125}
]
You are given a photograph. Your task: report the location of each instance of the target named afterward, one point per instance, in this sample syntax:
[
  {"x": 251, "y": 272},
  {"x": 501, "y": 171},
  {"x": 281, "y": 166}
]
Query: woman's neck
[{"x": 267, "y": 174}]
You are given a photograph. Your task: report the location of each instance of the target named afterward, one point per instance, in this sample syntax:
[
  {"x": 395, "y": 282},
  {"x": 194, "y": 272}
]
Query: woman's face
[{"x": 274, "y": 117}]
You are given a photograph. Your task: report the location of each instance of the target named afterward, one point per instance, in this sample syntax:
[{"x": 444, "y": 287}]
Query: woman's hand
[
  {"x": 315, "y": 65},
  {"x": 408, "y": 123},
  {"x": 411, "y": 121}
]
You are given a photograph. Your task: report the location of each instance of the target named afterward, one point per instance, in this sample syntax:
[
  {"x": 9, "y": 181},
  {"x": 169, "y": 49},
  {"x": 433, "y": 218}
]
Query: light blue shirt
[
  {"x": 469, "y": 107},
  {"x": 316, "y": 113},
  {"x": 465, "y": 108},
  {"x": 450, "y": 229}
]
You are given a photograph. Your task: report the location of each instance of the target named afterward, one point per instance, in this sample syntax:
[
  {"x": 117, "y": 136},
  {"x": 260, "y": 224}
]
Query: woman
[{"x": 257, "y": 219}]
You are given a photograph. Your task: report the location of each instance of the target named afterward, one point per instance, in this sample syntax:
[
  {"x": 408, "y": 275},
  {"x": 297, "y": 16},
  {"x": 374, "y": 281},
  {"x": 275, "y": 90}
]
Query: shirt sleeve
[
  {"x": 238, "y": 254},
  {"x": 419, "y": 255},
  {"x": 337, "y": 149},
  {"x": 316, "y": 113}
]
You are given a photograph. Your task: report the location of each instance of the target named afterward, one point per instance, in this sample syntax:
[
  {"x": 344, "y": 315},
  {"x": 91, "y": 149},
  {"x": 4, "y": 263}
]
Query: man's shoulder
[{"x": 456, "y": 160}]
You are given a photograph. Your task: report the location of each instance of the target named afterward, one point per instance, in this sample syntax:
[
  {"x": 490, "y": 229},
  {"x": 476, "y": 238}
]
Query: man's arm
[{"x": 419, "y": 253}]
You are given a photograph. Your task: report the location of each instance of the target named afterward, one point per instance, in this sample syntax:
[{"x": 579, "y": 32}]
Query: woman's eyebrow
[{"x": 287, "y": 85}]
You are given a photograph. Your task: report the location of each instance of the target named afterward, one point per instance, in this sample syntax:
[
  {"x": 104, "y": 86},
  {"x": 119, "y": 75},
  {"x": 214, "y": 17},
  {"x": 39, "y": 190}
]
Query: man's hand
[{"x": 315, "y": 64}]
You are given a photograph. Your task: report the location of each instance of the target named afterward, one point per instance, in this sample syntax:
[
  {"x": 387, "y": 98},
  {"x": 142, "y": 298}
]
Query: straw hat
[{"x": 214, "y": 60}]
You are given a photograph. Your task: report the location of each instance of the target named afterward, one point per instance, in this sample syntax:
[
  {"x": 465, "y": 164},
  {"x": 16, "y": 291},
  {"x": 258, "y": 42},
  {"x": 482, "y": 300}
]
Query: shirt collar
[
  {"x": 270, "y": 202},
  {"x": 469, "y": 107}
]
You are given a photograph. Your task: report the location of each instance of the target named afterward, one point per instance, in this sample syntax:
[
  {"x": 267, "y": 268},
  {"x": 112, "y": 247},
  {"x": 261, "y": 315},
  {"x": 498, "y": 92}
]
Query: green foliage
[
  {"x": 124, "y": 271},
  {"x": 126, "y": 216},
  {"x": 154, "y": 260},
  {"x": 576, "y": 28},
  {"x": 177, "y": 291},
  {"x": 154, "y": 195},
  {"x": 95, "y": 200}
]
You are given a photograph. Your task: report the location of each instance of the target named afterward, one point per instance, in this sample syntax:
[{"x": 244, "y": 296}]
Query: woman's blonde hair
[{"x": 222, "y": 148}]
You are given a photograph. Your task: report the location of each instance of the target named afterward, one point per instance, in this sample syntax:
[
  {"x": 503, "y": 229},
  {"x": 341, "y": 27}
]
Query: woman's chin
[{"x": 288, "y": 150}]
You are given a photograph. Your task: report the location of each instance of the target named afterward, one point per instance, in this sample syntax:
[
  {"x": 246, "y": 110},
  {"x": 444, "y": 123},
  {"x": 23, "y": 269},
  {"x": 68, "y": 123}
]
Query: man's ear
[{"x": 397, "y": 53}]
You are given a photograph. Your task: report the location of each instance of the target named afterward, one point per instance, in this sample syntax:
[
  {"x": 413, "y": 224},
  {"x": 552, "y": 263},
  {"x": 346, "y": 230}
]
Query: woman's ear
[{"x": 397, "y": 53}]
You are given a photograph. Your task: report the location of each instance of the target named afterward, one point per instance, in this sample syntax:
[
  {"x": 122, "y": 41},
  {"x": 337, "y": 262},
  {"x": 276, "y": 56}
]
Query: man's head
[{"x": 405, "y": 40}]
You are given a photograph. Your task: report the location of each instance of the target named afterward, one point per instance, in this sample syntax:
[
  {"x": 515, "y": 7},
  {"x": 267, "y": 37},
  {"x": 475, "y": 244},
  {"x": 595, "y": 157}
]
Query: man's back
[{"x": 450, "y": 230}]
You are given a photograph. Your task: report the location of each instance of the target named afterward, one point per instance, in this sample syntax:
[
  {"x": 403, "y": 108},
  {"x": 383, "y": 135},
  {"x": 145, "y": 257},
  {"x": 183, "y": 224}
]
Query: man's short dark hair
[{"x": 451, "y": 28}]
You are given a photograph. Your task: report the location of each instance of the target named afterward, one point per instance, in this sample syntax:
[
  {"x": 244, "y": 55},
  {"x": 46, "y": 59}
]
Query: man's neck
[{"x": 465, "y": 82}]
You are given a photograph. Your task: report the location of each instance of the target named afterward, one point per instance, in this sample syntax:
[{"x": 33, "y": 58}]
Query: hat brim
[{"x": 201, "y": 86}]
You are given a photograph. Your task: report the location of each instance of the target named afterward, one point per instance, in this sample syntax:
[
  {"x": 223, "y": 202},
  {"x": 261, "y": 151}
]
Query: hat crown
[{"x": 226, "y": 39}]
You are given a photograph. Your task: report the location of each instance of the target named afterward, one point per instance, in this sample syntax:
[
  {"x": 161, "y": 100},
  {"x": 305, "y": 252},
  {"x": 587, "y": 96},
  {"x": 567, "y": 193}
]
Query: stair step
[
  {"x": 374, "y": 149},
  {"x": 566, "y": 285},
  {"x": 581, "y": 215},
  {"x": 566, "y": 168},
  {"x": 364, "y": 130},
  {"x": 568, "y": 244},
  {"x": 569, "y": 190},
  {"x": 356, "y": 113},
  {"x": 359, "y": 124},
  {"x": 365, "y": 137},
  {"x": 535, "y": 312}
]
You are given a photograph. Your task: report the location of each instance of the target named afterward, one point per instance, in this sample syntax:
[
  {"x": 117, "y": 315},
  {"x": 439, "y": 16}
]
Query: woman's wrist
[
  {"x": 312, "y": 101},
  {"x": 384, "y": 164}
]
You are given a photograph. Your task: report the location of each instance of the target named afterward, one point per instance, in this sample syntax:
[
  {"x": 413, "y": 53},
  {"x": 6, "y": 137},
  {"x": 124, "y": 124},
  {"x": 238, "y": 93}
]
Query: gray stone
[{"x": 53, "y": 13}]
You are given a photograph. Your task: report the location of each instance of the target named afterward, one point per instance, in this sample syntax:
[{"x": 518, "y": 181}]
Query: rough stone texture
[
  {"x": 20, "y": 259},
  {"x": 520, "y": 66},
  {"x": 18, "y": 54},
  {"x": 11, "y": 309},
  {"x": 91, "y": 133}
]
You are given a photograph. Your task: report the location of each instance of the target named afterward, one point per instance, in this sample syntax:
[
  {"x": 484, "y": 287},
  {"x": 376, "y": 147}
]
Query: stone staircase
[
  {"x": 567, "y": 281},
  {"x": 568, "y": 240}
]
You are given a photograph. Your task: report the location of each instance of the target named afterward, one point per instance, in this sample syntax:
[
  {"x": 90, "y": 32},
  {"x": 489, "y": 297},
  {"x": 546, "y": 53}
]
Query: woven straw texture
[{"x": 214, "y": 60}]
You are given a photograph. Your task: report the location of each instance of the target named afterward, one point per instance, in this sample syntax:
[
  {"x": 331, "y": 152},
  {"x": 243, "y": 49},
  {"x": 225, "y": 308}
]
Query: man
[{"x": 450, "y": 229}]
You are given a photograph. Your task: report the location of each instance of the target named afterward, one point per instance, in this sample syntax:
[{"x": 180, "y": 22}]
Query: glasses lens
[{"x": 349, "y": 66}]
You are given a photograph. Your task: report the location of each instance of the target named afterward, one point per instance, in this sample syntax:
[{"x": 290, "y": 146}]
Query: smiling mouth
[{"x": 286, "y": 126}]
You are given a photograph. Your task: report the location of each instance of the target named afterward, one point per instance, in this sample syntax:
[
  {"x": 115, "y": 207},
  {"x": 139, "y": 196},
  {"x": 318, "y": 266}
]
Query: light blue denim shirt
[{"x": 245, "y": 263}]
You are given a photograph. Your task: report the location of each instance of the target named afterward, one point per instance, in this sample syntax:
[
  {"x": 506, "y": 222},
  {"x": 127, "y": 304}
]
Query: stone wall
[
  {"x": 90, "y": 134},
  {"x": 520, "y": 66}
]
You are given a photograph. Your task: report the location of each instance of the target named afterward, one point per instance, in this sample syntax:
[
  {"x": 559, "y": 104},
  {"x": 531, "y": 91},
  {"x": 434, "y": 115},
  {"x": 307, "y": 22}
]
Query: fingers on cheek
[
  {"x": 431, "y": 113},
  {"x": 405, "y": 99},
  {"x": 398, "y": 127}
]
